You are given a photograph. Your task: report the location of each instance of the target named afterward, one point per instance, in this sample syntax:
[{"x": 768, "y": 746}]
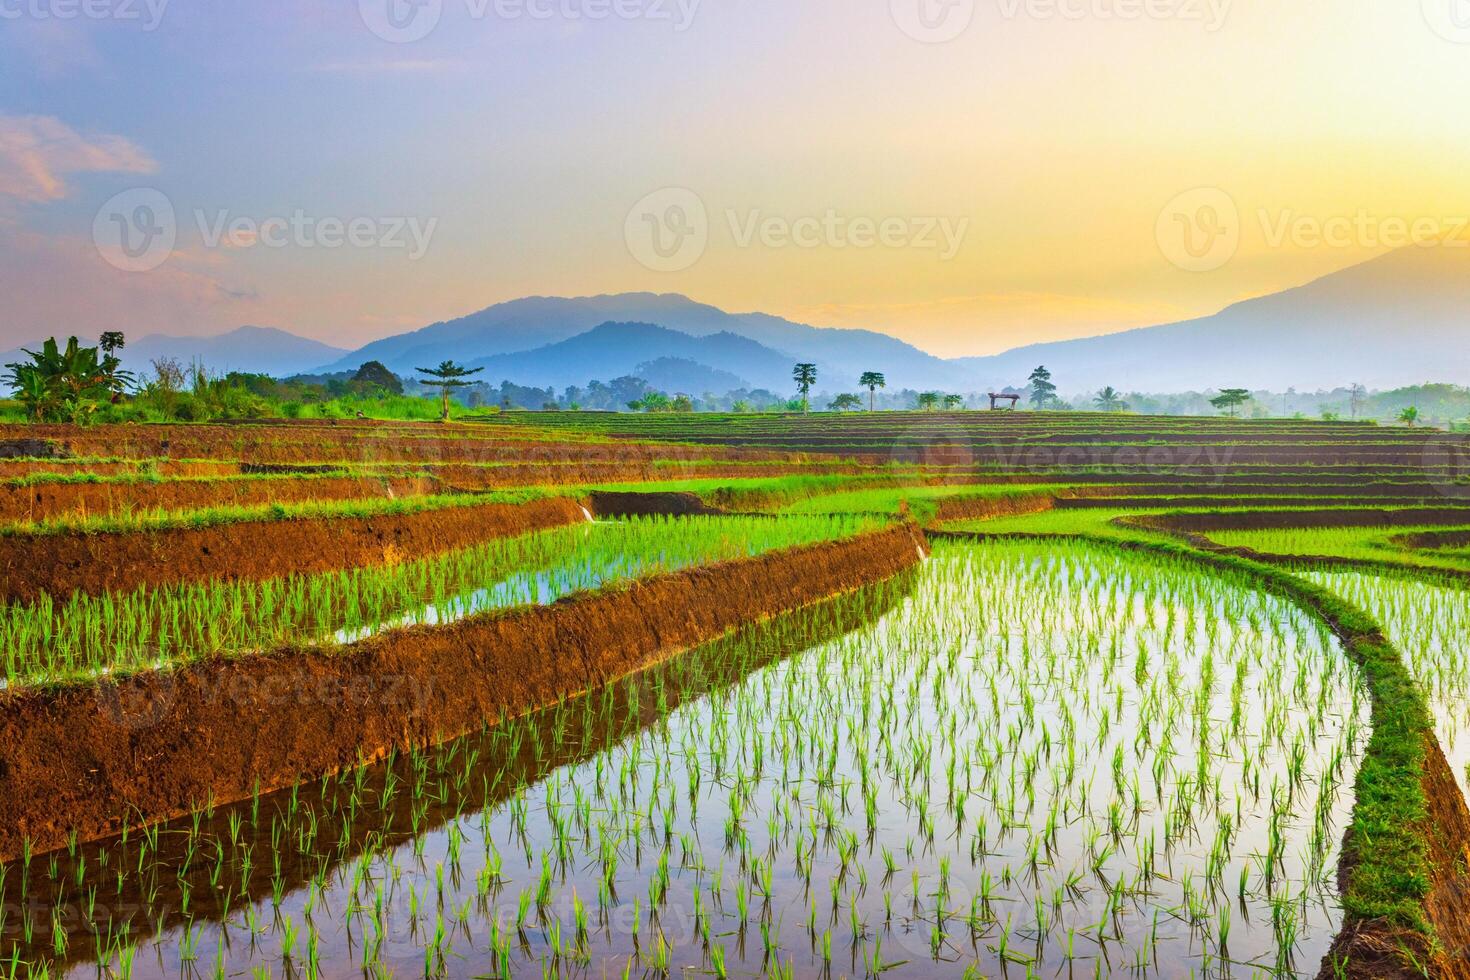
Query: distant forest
[{"x": 49, "y": 387}]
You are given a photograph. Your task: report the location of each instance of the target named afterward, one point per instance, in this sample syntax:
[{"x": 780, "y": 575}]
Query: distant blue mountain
[
  {"x": 1400, "y": 319},
  {"x": 609, "y": 350},
  {"x": 256, "y": 350},
  {"x": 535, "y": 323}
]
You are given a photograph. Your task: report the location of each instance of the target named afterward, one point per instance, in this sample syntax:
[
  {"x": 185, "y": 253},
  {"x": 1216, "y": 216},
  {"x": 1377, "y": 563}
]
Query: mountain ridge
[{"x": 1398, "y": 319}]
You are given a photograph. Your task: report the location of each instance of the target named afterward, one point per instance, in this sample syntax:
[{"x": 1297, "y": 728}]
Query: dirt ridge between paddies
[
  {"x": 43, "y": 500},
  {"x": 1403, "y": 876},
  {"x": 187, "y": 897},
  {"x": 85, "y": 758},
  {"x": 59, "y": 563}
]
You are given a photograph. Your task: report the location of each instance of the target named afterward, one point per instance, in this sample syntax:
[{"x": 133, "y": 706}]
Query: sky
[{"x": 970, "y": 175}]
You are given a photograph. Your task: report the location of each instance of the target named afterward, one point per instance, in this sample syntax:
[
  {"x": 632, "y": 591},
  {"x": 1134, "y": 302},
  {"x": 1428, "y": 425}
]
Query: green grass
[
  {"x": 56, "y": 640},
  {"x": 922, "y": 501},
  {"x": 764, "y": 493},
  {"x": 1092, "y": 522},
  {"x": 1356, "y": 543},
  {"x": 161, "y": 520}
]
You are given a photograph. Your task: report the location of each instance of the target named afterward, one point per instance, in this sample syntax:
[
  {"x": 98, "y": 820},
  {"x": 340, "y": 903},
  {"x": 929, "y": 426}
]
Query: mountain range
[
  {"x": 1396, "y": 320},
  {"x": 534, "y": 325},
  {"x": 1400, "y": 319}
]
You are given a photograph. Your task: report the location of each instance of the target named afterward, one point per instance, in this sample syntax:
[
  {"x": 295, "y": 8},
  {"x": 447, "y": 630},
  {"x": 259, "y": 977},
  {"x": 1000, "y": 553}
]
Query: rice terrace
[{"x": 876, "y": 694}]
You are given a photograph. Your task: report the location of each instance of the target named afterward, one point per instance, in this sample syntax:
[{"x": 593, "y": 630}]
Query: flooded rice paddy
[
  {"x": 85, "y": 636},
  {"x": 1014, "y": 760},
  {"x": 1430, "y": 625}
]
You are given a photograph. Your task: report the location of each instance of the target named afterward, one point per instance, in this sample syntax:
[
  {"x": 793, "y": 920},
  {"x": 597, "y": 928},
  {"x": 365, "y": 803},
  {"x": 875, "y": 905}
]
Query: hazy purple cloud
[{"x": 37, "y": 153}]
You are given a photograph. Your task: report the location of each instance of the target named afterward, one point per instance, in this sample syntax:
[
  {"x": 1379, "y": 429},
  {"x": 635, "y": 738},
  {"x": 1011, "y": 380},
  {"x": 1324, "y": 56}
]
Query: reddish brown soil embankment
[
  {"x": 20, "y": 469},
  {"x": 160, "y": 744},
  {"x": 1433, "y": 540},
  {"x": 1375, "y": 950},
  {"x": 985, "y": 508},
  {"x": 361, "y": 443},
  {"x": 59, "y": 564},
  {"x": 1449, "y": 838},
  {"x": 47, "y": 501},
  {"x": 606, "y": 504},
  {"x": 471, "y": 477}
]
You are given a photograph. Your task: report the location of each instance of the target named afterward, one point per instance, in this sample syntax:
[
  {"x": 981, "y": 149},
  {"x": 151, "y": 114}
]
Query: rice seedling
[
  {"x": 1429, "y": 622},
  {"x": 87, "y": 636},
  {"x": 1015, "y": 757}
]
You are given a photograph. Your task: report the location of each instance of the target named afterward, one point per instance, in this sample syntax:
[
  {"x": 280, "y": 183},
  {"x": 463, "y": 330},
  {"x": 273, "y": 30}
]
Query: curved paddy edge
[{"x": 1405, "y": 889}]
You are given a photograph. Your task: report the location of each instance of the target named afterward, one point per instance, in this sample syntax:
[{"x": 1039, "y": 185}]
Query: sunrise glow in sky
[{"x": 969, "y": 176}]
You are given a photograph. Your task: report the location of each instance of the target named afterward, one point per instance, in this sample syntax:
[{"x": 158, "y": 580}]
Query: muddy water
[{"x": 1013, "y": 761}]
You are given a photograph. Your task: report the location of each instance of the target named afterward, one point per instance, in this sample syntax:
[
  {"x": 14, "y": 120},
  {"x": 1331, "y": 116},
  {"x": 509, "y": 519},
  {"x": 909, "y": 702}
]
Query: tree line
[{"x": 79, "y": 384}]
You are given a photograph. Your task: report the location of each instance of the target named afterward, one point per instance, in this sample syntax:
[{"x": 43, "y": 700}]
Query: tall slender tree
[
  {"x": 805, "y": 375},
  {"x": 1042, "y": 389},
  {"x": 447, "y": 377},
  {"x": 1356, "y": 396},
  {"x": 872, "y": 380}
]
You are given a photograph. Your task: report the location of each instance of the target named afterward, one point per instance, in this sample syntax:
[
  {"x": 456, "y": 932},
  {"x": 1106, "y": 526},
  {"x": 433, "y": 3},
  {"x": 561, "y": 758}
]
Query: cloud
[
  {"x": 38, "y": 152},
  {"x": 61, "y": 286}
]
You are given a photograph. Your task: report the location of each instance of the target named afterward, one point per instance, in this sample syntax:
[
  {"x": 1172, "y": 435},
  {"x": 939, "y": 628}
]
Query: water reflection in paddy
[{"x": 1019, "y": 760}]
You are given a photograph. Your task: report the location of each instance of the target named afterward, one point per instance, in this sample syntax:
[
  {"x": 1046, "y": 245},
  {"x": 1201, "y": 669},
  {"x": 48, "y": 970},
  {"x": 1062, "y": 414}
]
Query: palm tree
[
  {"x": 1109, "y": 400},
  {"x": 805, "y": 375},
  {"x": 872, "y": 380},
  {"x": 450, "y": 376},
  {"x": 928, "y": 401},
  {"x": 1409, "y": 416}
]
